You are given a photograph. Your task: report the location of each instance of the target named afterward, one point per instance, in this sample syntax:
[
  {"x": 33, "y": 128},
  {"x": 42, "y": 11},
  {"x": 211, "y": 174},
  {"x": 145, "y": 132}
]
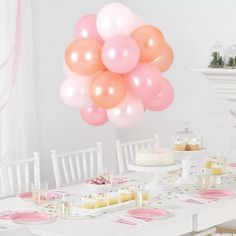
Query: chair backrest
[
  {"x": 75, "y": 166},
  {"x": 126, "y": 151},
  {"x": 16, "y": 176}
]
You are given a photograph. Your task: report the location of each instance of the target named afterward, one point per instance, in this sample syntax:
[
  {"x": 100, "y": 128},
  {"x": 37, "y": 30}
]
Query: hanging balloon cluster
[{"x": 113, "y": 68}]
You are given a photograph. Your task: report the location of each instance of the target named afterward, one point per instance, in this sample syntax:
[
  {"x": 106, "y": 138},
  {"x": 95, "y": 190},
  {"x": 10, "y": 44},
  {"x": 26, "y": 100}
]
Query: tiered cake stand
[
  {"x": 187, "y": 160},
  {"x": 157, "y": 171}
]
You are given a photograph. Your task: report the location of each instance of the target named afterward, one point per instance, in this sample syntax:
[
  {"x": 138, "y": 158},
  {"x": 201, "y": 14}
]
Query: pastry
[
  {"x": 217, "y": 169},
  {"x": 193, "y": 145},
  {"x": 125, "y": 195},
  {"x": 88, "y": 202},
  {"x": 113, "y": 198},
  {"x": 101, "y": 200},
  {"x": 180, "y": 144}
]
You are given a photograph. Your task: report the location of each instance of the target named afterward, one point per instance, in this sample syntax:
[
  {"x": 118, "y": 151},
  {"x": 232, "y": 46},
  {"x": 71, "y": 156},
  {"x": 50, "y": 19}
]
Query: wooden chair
[
  {"x": 228, "y": 228},
  {"x": 75, "y": 166},
  {"x": 16, "y": 176},
  {"x": 126, "y": 151},
  {"x": 206, "y": 232}
]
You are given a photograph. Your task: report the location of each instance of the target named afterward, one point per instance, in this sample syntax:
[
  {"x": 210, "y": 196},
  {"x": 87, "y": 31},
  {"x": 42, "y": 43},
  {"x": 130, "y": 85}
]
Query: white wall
[{"x": 190, "y": 26}]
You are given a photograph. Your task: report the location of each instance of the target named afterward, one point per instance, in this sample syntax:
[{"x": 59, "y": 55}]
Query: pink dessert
[{"x": 98, "y": 181}]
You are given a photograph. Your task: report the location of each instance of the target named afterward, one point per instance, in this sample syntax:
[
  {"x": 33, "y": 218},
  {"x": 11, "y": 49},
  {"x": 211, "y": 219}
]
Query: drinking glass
[
  {"x": 205, "y": 179},
  {"x": 63, "y": 204},
  {"x": 39, "y": 192}
]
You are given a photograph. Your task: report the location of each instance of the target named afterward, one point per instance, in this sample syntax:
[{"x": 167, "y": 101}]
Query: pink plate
[
  {"x": 232, "y": 165},
  {"x": 147, "y": 213},
  {"x": 31, "y": 218},
  {"x": 26, "y": 196},
  {"x": 215, "y": 193},
  {"x": 119, "y": 180}
]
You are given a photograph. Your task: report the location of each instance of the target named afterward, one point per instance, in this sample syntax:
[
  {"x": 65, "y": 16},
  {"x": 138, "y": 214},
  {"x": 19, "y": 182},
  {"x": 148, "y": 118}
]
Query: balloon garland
[{"x": 113, "y": 68}]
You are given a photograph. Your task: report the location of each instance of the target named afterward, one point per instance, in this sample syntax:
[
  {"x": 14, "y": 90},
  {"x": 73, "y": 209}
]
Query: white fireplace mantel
[{"x": 224, "y": 81}]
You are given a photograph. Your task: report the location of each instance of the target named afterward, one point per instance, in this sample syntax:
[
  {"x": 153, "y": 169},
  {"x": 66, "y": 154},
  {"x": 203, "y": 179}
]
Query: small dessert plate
[
  {"x": 27, "y": 196},
  {"x": 215, "y": 193},
  {"x": 31, "y": 218},
  {"x": 120, "y": 180},
  {"x": 148, "y": 213},
  {"x": 233, "y": 165}
]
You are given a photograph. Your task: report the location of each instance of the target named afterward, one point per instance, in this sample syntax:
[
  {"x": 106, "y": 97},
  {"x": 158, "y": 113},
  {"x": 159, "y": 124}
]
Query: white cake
[{"x": 154, "y": 157}]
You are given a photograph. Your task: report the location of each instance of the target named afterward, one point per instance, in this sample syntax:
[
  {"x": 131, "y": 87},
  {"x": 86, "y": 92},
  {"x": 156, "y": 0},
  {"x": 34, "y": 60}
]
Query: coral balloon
[
  {"x": 128, "y": 114},
  {"x": 150, "y": 40},
  {"x": 114, "y": 19},
  {"x": 144, "y": 81},
  {"x": 74, "y": 92},
  {"x": 83, "y": 57},
  {"x": 94, "y": 115},
  {"x": 86, "y": 28},
  {"x": 163, "y": 99},
  {"x": 120, "y": 54},
  {"x": 164, "y": 61},
  {"x": 107, "y": 89}
]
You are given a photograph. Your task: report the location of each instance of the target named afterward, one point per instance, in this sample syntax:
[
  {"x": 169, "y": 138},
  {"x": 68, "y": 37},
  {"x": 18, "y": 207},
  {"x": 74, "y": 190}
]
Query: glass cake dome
[{"x": 186, "y": 140}]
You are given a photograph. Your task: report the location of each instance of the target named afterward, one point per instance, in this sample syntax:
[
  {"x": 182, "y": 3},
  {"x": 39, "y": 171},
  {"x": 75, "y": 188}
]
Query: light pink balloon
[
  {"x": 94, "y": 115},
  {"x": 114, "y": 19},
  {"x": 144, "y": 81},
  {"x": 86, "y": 28},
  {"x": 120, "y": 54},
  {"x": 128, "y": 114},
  {"x": 74, "y": 92},
  {"x": 163, "y": 99}
]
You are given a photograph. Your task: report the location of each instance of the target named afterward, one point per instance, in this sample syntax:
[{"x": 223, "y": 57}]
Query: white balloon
[
  {"x": 128, "y": 114},
  {"x": 114, "y": 19}
]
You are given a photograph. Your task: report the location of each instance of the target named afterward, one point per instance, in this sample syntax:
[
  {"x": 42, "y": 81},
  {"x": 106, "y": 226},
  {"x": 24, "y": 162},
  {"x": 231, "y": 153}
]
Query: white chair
[
  {"x": 16, "y": 176},
  {"x": 75, "y": 166},
  {"x": 126, "y": 151}
]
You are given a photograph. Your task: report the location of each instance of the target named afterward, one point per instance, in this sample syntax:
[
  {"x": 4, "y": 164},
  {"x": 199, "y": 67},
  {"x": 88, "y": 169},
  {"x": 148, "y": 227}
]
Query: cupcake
[
  {"x": 193, "y": 145},
  {"x": 88, "y": 202},
  {"x": 180, "y": 145},
  {"x": 217, "y": 169},
  {"x": 113, "y": 198},
  {"x": 126, "y": 195},
  {"x": 101, "y": 200}
]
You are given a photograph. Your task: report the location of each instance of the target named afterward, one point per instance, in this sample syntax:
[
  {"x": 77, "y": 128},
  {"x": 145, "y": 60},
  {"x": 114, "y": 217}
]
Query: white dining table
[{"x": 184, "y": 217}]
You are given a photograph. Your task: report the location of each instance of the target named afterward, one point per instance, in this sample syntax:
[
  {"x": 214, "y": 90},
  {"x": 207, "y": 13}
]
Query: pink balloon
[
  {"x": 128, "y": 114},
  {"x": 144, "y": 81},
  {"x": 161, "y": 100},
  {"x": 114, "y": 19},
  {"x": 94, "y": 115},
  {"x": 120, "y": 54},
  {"x": 86, "y": 28},
  {"x": 74, "y": 92}
]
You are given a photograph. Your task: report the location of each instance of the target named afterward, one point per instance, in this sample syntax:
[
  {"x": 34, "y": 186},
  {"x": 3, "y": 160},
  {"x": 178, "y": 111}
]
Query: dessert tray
[{"x": 102, "y": 210}]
